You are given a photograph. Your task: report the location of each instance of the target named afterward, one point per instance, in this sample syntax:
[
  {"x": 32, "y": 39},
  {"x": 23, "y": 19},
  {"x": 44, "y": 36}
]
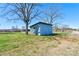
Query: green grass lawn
[{"x": 21, "y": 44}]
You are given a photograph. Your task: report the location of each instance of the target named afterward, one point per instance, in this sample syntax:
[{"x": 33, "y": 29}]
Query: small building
[{"x": 41, "y": 28}]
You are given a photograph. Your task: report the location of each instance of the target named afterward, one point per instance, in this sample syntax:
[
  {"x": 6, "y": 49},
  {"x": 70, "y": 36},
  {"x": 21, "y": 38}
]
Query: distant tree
[
  {"x": 57, "y": 27},
  {"x": 13, "y": 27},
  {"x": 24, "y": 11},
  {"x": 23, "y": 28},
  {"x": 64, "y": 27},
  {"x": 16, "y": 27}
]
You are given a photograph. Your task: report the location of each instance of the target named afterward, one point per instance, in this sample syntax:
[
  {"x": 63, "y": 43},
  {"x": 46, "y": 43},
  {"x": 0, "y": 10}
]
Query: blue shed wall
[{"x": 44, "y": 29}]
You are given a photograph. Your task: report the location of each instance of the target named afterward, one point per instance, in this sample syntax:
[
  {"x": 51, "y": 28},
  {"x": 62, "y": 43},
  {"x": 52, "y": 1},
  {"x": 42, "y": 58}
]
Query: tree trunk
[{"x": 27, "y": 28}]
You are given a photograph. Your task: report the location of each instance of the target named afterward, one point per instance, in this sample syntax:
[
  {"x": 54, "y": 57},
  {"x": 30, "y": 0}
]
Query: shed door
[{"x": 35, "y": 30}]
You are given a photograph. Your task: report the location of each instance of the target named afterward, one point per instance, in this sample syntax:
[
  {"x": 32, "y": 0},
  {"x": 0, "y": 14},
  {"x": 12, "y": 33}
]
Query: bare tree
[
  {"x": 52, "y": 14},
  {"x": 22, "y": 11}
]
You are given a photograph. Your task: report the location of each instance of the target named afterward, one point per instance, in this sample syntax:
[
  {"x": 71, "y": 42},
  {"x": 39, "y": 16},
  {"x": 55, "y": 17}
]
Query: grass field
[{"x": 19, "y": 44}]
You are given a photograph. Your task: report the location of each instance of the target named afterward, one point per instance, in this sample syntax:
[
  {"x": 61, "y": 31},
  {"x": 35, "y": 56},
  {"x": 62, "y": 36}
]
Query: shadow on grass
[
  {"x": 57, "y": 34},
  {"x": 54, "y": 34}
]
